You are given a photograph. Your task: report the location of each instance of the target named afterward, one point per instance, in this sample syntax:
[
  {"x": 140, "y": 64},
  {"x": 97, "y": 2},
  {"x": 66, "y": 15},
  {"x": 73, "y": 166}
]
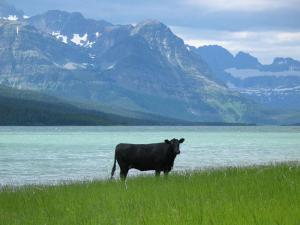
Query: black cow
[{"x": 159, "y": 157}]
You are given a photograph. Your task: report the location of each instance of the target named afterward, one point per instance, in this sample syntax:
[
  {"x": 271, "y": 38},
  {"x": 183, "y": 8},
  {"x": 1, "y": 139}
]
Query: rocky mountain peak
[
  {"x": 281, "y": 64},
  {"x": 158, "y": 36},
  {"x": 149, "y": 25},
  {"x": 246, "y": 61},
  {"x": 216, "y": 55},
  {"x": 281, "y": 61}
]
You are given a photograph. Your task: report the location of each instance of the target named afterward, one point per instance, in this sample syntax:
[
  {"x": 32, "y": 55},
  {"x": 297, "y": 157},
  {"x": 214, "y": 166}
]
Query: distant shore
[{"x": 130, "y": 124}]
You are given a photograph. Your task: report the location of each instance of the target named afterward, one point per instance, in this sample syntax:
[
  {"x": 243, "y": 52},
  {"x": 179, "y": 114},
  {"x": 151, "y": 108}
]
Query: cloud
[
  {"x": 287, "y": 37},
  {"x": 263, "y": 44},
  {"x": 211, "y": 14},
  {"x": 265, "y": 28},
  {"x": 243, "y": 5}
]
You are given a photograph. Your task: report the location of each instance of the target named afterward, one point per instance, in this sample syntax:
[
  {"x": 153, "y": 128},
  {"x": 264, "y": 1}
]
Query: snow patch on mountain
[
  {"x": 10, "y": 18},
  {"x": 74, "y": 66},
  {"x": 98, "y": 34},
  {"x": 60, "y": 37},
  {"x": 78, "y": 40},
  {"x": 89, "y": 44},
  {"x": 111, "y": 67},
  {"x": 92, "y": 56},
  {"x": 82, "y": 40}
]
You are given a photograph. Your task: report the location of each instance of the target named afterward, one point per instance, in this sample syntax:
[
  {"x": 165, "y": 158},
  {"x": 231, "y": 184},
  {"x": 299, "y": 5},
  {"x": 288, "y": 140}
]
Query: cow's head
[{"x": 175, "y": 144}]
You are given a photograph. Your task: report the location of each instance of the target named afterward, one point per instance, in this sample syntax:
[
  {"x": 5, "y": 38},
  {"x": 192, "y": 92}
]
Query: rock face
[
  {"x": 276, "y": 85},
  {"x": 143, "y": 67}
]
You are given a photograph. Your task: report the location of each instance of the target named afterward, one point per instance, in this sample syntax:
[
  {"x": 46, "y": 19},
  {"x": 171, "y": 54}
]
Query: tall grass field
[{"x": 262, "y": 195}]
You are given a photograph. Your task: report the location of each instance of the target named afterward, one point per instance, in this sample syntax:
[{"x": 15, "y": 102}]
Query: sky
[{"x": 263, "y": 28}]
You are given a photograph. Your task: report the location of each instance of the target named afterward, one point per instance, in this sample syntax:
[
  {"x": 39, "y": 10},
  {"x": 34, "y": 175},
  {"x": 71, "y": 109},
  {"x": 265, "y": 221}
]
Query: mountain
[
  {"x": 276, "y": 86},
  {"x": 283, "y": 64},
  {"x": 21, "y": 107},
  {"x": 70, "y": 28},
  {"x": 244, "y": 61},
  {"x": 30, "y": 108},
  {"x": 215, "y": 55},
  {"x": 142, "y": 68}
]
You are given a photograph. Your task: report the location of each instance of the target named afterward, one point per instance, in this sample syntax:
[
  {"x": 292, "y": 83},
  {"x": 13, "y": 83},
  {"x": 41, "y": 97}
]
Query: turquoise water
[{"x": 53, "y": 154}]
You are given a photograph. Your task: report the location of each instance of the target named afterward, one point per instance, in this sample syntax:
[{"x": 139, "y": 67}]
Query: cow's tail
[{"x": 113, "y": 168}]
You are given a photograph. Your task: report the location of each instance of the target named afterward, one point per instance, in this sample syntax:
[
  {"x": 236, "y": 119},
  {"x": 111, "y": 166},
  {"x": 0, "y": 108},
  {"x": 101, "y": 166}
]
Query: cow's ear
[
  {"x": 181, "y": 140},
  {"x": 167, "y": 141}
]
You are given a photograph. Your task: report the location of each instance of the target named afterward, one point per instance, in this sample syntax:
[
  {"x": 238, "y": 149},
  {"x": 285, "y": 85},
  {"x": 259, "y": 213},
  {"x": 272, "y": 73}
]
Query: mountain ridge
[
  {"x": 26, "y": 107},
  {"x": 275, "y": 85},
  {"x": 141, "y": 68}
]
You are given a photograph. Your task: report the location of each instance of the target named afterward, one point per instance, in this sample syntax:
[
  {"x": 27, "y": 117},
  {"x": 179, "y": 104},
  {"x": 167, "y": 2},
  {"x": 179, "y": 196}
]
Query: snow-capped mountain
[
  {"x": 70, "y": 28},
  {"x": 275, "y": 85},
  {"x": 143, "y": 67}
]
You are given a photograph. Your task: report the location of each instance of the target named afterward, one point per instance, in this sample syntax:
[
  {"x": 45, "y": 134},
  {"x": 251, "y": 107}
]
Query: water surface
[{"x": 53, "y": 154}]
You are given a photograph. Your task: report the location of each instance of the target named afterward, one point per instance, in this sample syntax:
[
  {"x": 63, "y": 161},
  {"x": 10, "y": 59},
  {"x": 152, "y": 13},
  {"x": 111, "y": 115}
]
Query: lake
[{"x": 48, "y": 155}]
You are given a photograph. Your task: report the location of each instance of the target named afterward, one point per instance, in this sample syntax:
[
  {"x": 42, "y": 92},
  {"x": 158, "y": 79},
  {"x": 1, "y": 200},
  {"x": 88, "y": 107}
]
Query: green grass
[{"x": 263, "y": 195}]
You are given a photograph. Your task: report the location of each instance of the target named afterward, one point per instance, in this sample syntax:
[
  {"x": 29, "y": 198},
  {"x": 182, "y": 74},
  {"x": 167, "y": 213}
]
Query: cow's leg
[
  {"x": 157, "y": 173},
  {"x": 166, "y": 173},
  {"x": 123, "y": 173}
]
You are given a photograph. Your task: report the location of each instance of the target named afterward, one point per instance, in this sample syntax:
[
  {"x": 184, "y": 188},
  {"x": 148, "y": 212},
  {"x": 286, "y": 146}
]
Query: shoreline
[{"x": 149, "y": 174}]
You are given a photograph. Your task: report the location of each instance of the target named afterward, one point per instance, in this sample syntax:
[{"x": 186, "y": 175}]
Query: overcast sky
[{"x": 264, "y": 28}]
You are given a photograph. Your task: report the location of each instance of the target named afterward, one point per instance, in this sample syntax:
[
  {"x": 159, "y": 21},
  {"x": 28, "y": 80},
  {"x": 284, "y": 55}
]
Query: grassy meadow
[{"x": 263, "y": 195}]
